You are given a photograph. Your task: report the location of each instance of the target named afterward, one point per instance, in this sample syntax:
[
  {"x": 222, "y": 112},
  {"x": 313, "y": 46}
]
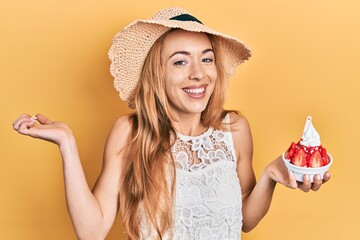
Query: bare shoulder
[
  {"x": 238, "y": 122},
  {"x": 119, "y": 135},
  {"x": 123, "y": 123},
  {"x": 107, "y": 186},
  {"x": 242, "y": 138}
]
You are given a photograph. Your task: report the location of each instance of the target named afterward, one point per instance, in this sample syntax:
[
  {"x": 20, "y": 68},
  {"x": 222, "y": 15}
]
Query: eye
[
  {"x": 208, "y": 60},
  {"x": 180, "y": 63}
]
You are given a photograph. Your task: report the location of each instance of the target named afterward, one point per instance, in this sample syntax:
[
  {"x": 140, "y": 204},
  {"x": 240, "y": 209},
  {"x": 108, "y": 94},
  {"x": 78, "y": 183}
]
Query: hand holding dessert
[
  {"x": 278, "y": 172},
  {"x": 307, "y": 156},
  {"x": 304, "y": 165}
]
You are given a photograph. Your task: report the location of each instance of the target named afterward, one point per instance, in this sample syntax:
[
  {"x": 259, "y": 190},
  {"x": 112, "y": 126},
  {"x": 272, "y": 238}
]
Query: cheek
[
  {"x": 213, "y": 76},
  {"x": 174, "y": 79},
  {"x": 171, "y": 84},
  {"x": 212, "y": 72}
]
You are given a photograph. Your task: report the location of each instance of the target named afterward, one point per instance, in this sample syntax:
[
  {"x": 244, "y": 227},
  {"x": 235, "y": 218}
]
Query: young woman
[{"x": 180, "y": 166}]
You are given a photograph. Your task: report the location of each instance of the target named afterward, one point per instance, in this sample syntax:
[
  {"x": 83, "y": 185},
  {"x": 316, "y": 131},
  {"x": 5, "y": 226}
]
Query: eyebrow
[{"x": 188, "y": 53}]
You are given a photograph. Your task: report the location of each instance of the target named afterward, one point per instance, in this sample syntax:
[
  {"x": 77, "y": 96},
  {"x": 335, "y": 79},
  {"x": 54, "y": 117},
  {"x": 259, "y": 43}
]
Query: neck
[{"x": 189, "y": 125}]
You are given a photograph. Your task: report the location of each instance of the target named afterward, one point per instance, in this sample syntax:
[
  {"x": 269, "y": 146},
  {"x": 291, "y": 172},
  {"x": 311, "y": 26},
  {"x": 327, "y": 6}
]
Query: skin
[
  {"x": 189, "y": 66},
  {"x": 188, "y": 62},
  {"x": 92, "y": 212}
]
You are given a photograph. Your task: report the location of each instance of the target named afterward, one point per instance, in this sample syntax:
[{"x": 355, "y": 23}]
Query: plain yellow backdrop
[{"x": 53, "y": 60}]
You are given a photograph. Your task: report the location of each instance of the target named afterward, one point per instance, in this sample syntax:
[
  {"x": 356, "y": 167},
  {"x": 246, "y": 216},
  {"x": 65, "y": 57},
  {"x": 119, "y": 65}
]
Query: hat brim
[{"x": 134, "y": 42}]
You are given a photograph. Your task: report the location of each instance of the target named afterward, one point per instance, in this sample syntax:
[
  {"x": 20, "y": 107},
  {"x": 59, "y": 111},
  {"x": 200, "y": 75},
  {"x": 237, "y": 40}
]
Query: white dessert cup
[{"x": 301, "y": 171}]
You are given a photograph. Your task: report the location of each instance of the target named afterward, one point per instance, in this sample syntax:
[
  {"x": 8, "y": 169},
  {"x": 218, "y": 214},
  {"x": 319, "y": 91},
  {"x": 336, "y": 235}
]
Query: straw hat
[{"x": 131, "y": 46}]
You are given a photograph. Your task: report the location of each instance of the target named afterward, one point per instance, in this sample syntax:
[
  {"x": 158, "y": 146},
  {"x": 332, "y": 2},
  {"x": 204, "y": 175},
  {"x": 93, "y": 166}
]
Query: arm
[
  {"x": 92, "y": 213},
  {"x": 257, "y": 196}
]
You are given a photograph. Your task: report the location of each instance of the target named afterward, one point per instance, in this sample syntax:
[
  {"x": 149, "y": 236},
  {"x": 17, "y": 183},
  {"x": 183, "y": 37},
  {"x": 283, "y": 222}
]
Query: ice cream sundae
[{"x": 307, "y": 156}]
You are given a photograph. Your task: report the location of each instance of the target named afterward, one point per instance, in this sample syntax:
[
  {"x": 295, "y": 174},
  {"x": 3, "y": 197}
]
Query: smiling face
[{"x": 190, "y": 72}]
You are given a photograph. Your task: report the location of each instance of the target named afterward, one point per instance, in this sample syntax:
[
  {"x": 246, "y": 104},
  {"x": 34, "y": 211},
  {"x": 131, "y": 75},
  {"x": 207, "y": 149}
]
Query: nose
[{"x": 196, "y": 71}]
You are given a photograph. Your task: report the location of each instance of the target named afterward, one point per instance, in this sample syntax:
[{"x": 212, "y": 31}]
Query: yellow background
[{"x": 53, "y": 60}]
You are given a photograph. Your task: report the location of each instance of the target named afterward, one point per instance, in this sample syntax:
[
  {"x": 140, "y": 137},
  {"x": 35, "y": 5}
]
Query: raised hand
[
  {"x": 279, "y": 173},
  {"x": 43, "y": 128}
]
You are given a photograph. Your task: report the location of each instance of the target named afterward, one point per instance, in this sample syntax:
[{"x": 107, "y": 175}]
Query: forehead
[{"x": 182, "y": 40}]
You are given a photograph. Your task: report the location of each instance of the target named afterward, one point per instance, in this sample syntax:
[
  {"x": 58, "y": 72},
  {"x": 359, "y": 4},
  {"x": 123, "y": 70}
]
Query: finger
[
  {"x": 306, "y": 184},
  {"x": 23, "y": 118},
  {"x": 25, "y": 126},
  {"x": 42, "y": 119},
  {"x": 317, "y": 182},
  {"x": 20, "y": 117},
  {"x": 292, "y": 180},
  {"x": 326, "y": 177}
]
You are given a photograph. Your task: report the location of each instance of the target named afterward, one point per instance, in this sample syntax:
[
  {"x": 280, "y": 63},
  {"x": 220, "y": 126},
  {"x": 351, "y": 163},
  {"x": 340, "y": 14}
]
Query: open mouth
[{"x": 194, "y": 91}]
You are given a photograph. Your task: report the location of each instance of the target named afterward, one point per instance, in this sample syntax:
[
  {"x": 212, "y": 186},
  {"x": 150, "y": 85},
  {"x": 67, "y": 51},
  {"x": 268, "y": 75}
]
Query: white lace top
[{"x": 208, "y": 196}]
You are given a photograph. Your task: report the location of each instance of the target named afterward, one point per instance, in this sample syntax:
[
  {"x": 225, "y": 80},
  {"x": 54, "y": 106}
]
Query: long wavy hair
[{"x": 148, "y": 179}]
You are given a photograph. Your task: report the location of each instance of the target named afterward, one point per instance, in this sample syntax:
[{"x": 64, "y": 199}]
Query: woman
[{"x": 180, "y": 166}]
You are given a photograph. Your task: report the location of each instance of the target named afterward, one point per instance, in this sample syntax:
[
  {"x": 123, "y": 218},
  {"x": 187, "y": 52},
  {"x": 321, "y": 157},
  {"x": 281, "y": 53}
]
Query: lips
[
  {"x": 198, "y": 91},
  {"x": 194, "y": 90}
]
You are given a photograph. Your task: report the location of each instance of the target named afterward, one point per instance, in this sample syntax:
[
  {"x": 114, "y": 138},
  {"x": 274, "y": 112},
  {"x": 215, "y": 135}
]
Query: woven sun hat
[{"x": 131, "y": 46}]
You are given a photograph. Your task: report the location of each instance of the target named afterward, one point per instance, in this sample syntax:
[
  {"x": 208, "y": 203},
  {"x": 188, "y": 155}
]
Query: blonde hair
[{"x": 147, "y": 185}]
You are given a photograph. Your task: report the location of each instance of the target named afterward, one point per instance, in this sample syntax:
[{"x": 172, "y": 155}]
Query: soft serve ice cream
[
  {"x": 310, "y": 136},
  {"x": 308, "y": 152}
]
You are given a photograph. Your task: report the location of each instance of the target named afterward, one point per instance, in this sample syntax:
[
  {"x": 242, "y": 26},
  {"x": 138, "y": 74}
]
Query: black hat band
[{"x": 186, "y": 17}]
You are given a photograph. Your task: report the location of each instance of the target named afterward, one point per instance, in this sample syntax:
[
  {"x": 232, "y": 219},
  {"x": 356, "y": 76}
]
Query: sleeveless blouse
[{"x": 208, "y": 198}]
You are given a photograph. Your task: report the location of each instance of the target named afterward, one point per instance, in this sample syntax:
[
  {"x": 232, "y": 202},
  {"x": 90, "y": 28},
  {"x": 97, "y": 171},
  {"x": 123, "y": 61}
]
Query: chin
[{"x": 199, "y": 109}]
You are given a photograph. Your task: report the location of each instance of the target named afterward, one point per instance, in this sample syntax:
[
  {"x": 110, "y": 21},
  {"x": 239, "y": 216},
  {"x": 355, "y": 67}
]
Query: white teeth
[{"x": 194, "y": 90}]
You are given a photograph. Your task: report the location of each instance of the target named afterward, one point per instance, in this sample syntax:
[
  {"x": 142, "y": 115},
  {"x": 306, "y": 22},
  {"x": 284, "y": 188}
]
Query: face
[{"x": 189, "y": 70}]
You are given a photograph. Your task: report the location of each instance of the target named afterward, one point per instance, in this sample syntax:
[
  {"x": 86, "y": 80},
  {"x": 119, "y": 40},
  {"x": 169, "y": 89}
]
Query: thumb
[{"x": 42, "y": 119}]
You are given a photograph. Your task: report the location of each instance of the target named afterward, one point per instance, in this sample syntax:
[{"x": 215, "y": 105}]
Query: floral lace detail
[
  {"x": 208, "y": 203},
  {"x": 208, "y": 198},
  {"x": 194, "y": 153}
]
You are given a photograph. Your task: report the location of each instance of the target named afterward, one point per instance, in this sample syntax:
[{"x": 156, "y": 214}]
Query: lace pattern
[
  {"x": 208, "y": 198},
  {"x": 208, "y": 203},
  {"x": 194, "y": 153}
]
